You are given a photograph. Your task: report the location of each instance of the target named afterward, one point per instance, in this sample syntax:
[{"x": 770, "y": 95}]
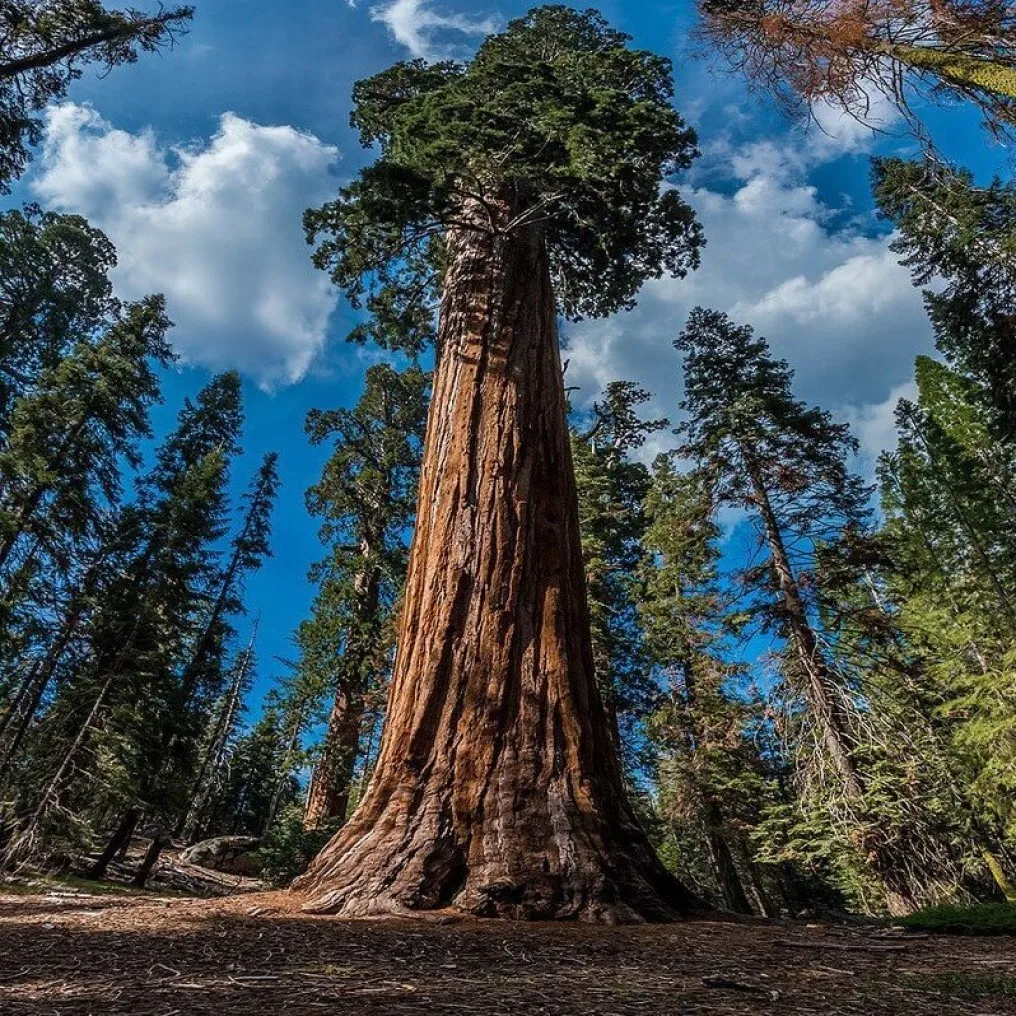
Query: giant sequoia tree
[{"x": 521, "y": 185}]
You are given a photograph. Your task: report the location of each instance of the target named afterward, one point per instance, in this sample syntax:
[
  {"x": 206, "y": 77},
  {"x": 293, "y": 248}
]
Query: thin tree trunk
[
  {"x": 714, "y": 821},
  {"x": 115, "y": 33},
  {"x": 30, "y": 505},
  {"x": 24, "y": 843},
  {"x": 192, "y": 671},
  {"x": 328, "y": 794},
  {"x": 722, "y": 859},
  {"x": 34, "y": 687},
  {"x": 497, "y": 790},
  {"x": 41, "y": 680},
  {"x": 118, "y": 842},
  {"x": 204, "y": 782},
  {"x": 26, "y": 692},
  {"x": 751, "y": 878},
  {"x": 143, "y": 873},
  {"x": 284, "y": 775},
  {"x": 823, "y": 698}
]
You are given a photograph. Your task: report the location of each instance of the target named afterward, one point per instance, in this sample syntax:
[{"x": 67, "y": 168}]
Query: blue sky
[{"x": 198, "y": 163}]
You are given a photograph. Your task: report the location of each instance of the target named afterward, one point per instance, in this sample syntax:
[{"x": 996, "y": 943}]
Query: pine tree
[
  {"x": 611, "y": 490},
  {"x": 786, "y": 464},
  {"x": 59, "y": 467},
  {"x": 951, "y": 230},
  {"x": 55, "y": 293},
  {"x": 709, "y": 777},
  {"x": 949, "y": 526},
  {"x": 247, "y": 553},
  {"x": 366, "y": 498},
  {"x": 122, "y": 703},
  {"x": 44, "y": 46},
  {"x": 218, "y": 744},
  {"x": 523, "y": 184},
  {"x": 71, "y": 432}
]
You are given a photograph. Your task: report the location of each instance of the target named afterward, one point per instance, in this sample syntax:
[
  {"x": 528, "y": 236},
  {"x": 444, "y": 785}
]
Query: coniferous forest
[{"x": 566, "y": 659}]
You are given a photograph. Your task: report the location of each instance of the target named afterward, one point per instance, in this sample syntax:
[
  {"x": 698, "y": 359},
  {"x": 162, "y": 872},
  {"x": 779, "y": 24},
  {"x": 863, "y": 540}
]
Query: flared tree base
[
  {"x": 601, "y": 900},
  {"x": 561, "y": 861}
]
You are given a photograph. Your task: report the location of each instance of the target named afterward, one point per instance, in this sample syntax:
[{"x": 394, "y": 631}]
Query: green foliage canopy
[
  {"x": 556, "y": 117},
  {"x": 44, "y": 44}
]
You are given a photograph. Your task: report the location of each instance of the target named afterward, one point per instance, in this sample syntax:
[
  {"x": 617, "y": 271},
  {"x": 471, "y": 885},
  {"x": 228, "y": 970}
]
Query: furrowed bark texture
[{"x": 497, "y": 791}]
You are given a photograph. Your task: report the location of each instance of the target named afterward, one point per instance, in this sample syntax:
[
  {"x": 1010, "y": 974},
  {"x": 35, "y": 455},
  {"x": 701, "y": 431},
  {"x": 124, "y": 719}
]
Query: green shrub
[
  {"x": 966, "y": 985},
  {"x": 287, "y": 849},
  {"x": 982, "y": 919}
]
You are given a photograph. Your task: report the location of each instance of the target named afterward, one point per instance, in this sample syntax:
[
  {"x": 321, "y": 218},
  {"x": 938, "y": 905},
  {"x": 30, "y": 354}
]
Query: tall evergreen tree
[
  {"x": 949, "y": 531},
  {"x": 366, "y": 498},
  {"x": 524, "y": 183},
  {"x": 706, "y": 764},
  {"x": 55, "y": 292},
  {"x": 123, "y": 702},
  {"x": 59, "y": 467},
  {"x": 786, "y": 463},
  {"x": 950, "y": 229},
  {"x": 611, "y": 490},
  {"x": 247, "y": 552},
  {"x": 45, "y": 45}
]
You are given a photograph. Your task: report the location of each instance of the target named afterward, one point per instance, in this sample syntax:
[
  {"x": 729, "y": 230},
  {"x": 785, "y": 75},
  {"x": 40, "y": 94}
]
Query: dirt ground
[{"x": 73, "y": 954}]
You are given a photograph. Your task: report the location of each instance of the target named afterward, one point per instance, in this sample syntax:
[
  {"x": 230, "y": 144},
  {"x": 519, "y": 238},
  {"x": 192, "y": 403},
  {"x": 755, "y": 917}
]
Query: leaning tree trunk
[
  {"x": 826, "y": 708},
  {"x": 497, "y": 791}
]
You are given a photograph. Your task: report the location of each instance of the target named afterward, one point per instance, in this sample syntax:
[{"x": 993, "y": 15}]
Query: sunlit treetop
[{"x": 555, "y": 119}]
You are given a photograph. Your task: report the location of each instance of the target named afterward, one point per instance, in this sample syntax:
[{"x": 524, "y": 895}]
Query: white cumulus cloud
[
  {"x": 425, "y": 31},
  {"x": 831, "y": 299},
  {"x": 215, "y": 226}
]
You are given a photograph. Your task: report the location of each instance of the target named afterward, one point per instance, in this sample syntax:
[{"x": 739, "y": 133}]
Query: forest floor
[{"x": 80, "y": 954}]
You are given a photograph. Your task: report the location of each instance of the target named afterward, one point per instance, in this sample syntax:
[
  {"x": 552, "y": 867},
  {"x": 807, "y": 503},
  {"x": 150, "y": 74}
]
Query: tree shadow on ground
[{"x": 258, "y": 955}]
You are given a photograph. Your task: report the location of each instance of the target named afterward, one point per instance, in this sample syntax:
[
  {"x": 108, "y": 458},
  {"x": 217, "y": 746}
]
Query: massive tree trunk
[{"x": 497, "y": 790}]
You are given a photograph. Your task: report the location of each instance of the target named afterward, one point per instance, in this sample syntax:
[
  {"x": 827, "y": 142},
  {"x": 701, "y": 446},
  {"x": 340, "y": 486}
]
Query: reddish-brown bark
[
  {"x": 330, "y": 786},
  {"x": 497, "y": 790},
  {"x": 328, "y": 793}
]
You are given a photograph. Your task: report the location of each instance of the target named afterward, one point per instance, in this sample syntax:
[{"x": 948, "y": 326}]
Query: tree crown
[
  {"x": 555, "y": 118},
  {"x": 743, "y": 417}
]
